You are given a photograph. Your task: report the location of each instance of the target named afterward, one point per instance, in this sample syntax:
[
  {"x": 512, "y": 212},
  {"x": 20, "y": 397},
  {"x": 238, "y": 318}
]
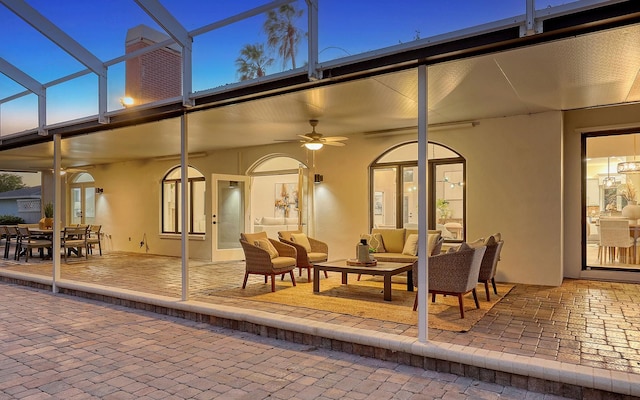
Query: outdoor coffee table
[{"x": 385, "y": 269}]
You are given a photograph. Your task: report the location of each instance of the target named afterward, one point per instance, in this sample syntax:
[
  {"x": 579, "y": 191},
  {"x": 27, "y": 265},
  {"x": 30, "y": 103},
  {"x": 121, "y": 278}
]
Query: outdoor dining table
[{"x": 45, "y": 233}]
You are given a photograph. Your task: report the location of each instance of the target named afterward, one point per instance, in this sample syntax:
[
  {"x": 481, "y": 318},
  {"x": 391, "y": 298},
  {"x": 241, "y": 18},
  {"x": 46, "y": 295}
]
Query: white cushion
[
  {"x": 411, "y": 245},
  {"x": 265, "y": 244},
  {"x": 272, "y": 221},
  {"x": 302, "y": 240}
]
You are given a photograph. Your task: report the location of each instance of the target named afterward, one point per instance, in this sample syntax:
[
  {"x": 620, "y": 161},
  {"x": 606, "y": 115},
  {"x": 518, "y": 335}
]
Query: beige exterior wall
[{"x": 513, "y": 187}]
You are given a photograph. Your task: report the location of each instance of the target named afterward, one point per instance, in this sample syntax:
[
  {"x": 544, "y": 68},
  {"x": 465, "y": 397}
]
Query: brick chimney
[{"x": 155, "y": 75}]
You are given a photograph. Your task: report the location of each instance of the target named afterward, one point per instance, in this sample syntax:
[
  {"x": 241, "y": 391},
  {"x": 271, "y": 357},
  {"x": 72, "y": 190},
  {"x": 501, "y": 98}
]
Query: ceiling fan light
[{"x": 313, "y": 145}]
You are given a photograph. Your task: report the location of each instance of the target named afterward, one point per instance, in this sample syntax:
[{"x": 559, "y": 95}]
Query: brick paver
[
  {"x": 589, "y": 323},
  {"x": 60, "y": 347}
]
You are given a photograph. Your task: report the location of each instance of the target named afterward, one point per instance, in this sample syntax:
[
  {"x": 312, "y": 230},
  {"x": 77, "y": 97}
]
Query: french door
[
  {"x": 83, "y": 203},
  {"x": 229, "y": 215}
]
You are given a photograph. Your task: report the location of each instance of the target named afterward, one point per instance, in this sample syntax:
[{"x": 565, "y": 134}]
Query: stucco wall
[{"x": 513, "y": 186}]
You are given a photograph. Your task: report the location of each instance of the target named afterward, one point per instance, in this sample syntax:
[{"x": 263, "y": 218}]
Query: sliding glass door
[{"x": 611, "y": 216}]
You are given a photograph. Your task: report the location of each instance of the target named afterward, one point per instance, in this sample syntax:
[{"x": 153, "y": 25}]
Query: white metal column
[
  {"x": 184, "y": 176},
  {"x": 423, "y": 212},
  {"x": 57, "y": 210}
]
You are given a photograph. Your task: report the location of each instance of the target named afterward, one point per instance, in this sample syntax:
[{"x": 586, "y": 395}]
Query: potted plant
[
  {"x": 47, "y": 221},
  {"x": 443, "y": 210}
]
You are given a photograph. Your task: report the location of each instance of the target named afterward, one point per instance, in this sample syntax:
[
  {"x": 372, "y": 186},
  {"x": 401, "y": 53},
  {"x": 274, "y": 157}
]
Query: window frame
[
  {"x": 178, "y": 200},
  {"x": 432, "y": 165}
]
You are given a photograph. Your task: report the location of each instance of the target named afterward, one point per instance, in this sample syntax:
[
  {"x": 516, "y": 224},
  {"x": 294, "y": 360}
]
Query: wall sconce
[
  {"x": 317, "y": 178},
  {"x": 126, "y": 101},
  {"x": 99, "y": 190}
]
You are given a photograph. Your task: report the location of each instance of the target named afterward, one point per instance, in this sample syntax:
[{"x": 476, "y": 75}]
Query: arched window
[
  {"x": 171, "y": 201},
  {"x": 394, "y": 190}
]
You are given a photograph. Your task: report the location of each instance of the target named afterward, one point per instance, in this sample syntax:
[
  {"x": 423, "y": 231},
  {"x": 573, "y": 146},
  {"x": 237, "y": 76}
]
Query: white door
[
  {"x": 229, "y": 215},
  {"x": 83, "y": 200}
]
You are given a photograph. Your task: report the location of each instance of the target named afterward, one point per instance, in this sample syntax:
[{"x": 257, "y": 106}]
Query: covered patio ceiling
[{"x": 593, "y": 69}]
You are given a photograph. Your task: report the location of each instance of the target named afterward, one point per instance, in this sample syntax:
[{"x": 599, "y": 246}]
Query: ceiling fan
[{"x": 314, "y": 140}]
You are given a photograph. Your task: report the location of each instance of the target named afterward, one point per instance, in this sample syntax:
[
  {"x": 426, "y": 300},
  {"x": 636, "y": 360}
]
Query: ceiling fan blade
[
  {"x": 334, "y": 143},
  {"x": 334, "y": 138},
  {"x": 305, "y": 137}
]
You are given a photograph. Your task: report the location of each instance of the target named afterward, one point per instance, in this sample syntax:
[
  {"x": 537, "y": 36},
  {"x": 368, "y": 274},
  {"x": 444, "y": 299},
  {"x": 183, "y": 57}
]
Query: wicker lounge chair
[
  {"x": 455, "y": 273},
  {"x": 489, "y": 264},
  {"x": 317, "y": 251},
  {"x": 261, "y": 259}
]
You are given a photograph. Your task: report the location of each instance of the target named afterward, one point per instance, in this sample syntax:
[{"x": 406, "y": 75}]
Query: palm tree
[
  {"x": 252, "y": 62},
  {"x": 282, "y": 33}
]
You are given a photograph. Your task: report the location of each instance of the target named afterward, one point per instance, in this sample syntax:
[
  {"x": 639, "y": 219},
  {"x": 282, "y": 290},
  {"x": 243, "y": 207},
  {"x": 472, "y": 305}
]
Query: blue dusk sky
[{"x": 346, "y": 27}]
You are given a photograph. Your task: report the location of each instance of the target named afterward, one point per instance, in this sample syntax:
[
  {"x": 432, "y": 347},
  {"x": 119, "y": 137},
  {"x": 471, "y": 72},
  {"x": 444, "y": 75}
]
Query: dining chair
[
  {"x": 615, "y": 239},
  {"x": 74, "y": 238},
  {"x": 8, "y": 234},
  {"x": 93, "y": 238},
  {"x": 27, "y": 242}
]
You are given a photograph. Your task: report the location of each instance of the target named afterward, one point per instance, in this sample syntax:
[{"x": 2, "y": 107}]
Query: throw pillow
[
  {"x": 476, "y": 243},
  {"x": 302, "y": 240},
  {"x": 464, "y": 246},
  {"x": 432, "y": 241},
  {"x": 411, "y": 245},
  {"x": 265, "y": 244},
  {"x": 491, "y": 241},
  {"x": 375, "y": 242}
]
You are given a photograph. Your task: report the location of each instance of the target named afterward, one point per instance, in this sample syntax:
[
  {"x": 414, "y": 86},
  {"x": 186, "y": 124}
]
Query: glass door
[
  {"x": 449, "y": 199},
  {"x": 230, "y": 208},
  {"x": 83, "y": 203},
  {"x": 410, "y": 197},
  {"x": 611, "y": 183}
]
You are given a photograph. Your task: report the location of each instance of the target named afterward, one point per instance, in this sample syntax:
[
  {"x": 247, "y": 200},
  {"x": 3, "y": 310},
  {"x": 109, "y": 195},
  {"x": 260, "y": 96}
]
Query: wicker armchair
[
  {"x": 318, "y": 252},
  {"x": 454, "y": 273},
  {"x": 261, "y": 262},
  {"x": 489, "y": 265}
]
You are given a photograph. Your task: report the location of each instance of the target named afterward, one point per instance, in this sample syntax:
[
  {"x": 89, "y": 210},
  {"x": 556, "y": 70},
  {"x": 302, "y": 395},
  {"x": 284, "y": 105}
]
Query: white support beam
[
  {"x": 30, "y": 84},
  {"x": 423, "y": 216},
  {"x": 239, "y": 17},
  {"x": 178, "y": 33},
  {"x": 312, "y": 37},
  {"x": 40, "y": 23},
  {"x": 184, "y": 210},
  {"x": 532, "y": 25},
  {"x": 21, "y": 77},
  {"x": 166, "y": 20},
  {"x": 57, "y": 210}
]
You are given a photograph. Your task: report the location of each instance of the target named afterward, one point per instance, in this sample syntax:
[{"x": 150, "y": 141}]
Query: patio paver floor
[{"x": 589, "y": 323}]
